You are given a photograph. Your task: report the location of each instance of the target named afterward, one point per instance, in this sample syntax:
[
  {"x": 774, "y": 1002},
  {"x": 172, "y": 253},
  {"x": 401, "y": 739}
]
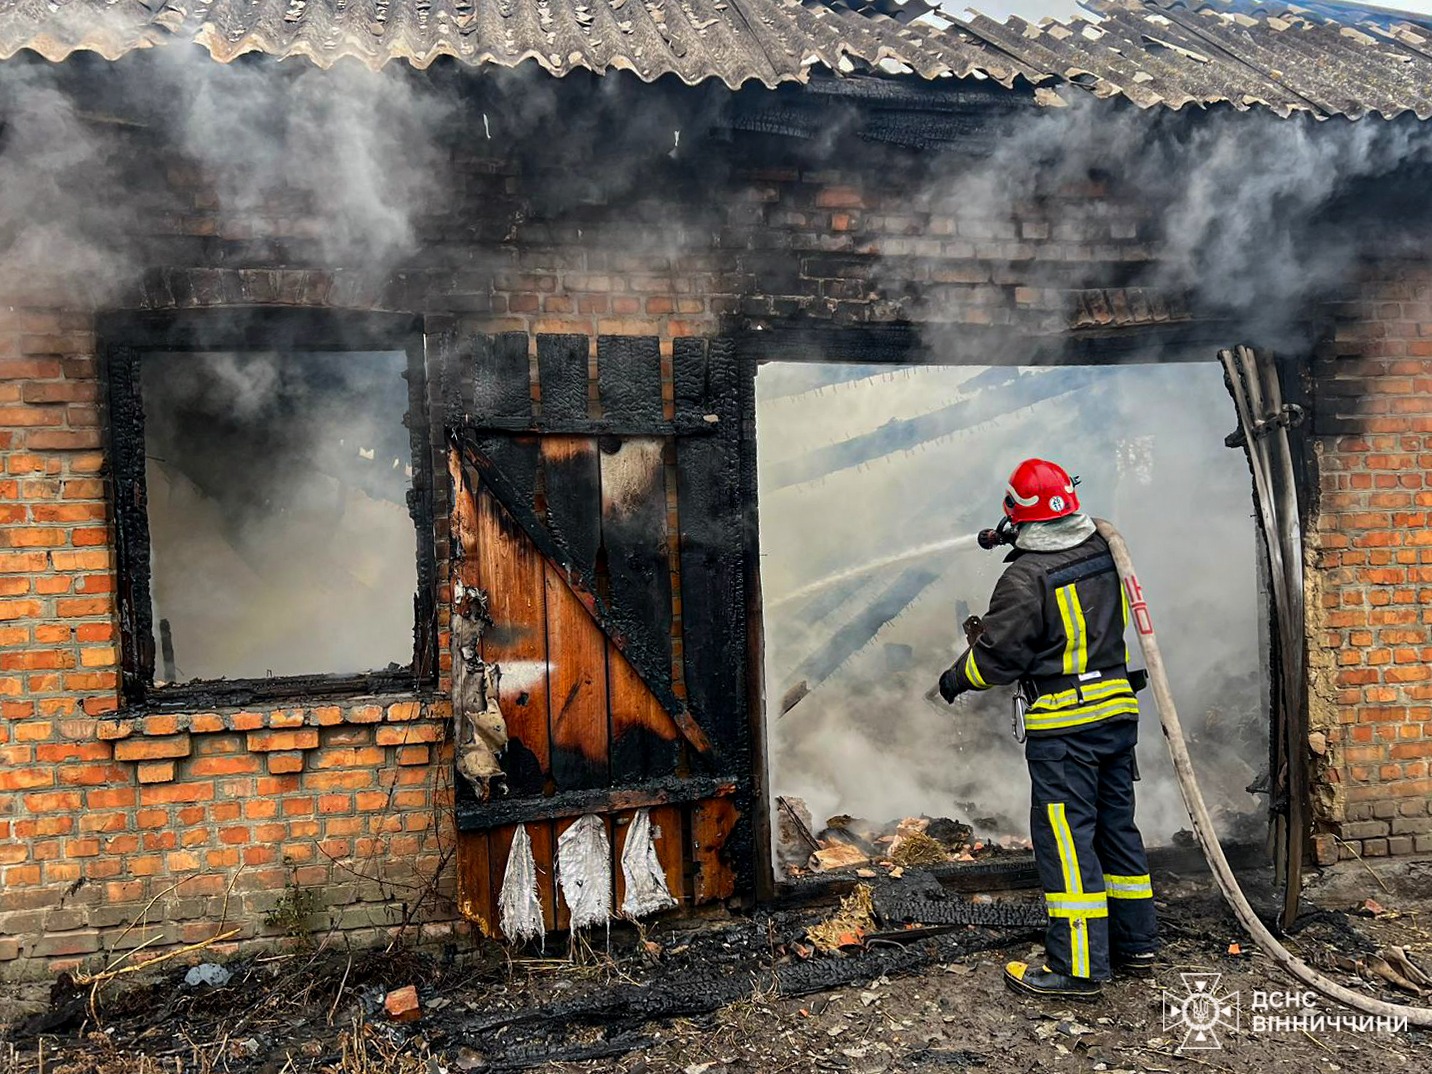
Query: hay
[
  {"x": 916, "y": 849},
  {"x": 849, "y": 924}
]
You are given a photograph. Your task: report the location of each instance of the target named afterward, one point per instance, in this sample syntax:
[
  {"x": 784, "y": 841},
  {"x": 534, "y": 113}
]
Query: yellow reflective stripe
[
  {"x": 1061, "y": 597},
  {"x": 1095, "y": 691},
  {"x": 1073, "y": 887},
  {"x": 1076, "y": 631},
  {"x": 1085, "y": 904},
  {"x": 1048, "y": 721},
  {"x": 972, "y": 672},
  {"x": 1076, "y": 915},
  {"x": 1124, "y": 603},
  {"x": 1128, "y": 887},
  {"x": 1064, "y": 840},
  {"x": 1079, "y": 947},
  {"x": 1081, "y": 628}
]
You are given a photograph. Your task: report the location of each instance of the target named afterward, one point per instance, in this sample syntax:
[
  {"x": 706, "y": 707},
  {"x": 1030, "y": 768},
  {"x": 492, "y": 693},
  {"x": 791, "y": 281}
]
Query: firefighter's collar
[{"x": 1055, "y": 536}]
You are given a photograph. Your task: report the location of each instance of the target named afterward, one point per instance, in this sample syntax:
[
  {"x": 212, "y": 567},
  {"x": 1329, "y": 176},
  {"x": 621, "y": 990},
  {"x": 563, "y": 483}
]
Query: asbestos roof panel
[
  {"x": 735, "y": 41},
  {"x": 1155, "y": 53}
]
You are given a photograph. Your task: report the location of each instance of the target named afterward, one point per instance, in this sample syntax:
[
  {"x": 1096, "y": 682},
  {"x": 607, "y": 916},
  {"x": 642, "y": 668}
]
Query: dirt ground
[{"x": 720, "y": 999}]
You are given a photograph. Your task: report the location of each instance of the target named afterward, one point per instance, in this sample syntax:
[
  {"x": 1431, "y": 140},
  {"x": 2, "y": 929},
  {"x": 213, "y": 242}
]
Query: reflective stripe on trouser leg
[
  {"x": 1128, "y": 887},
  {"x": 1072, "y": 905},
  {"x": 1079, "y": 911}
]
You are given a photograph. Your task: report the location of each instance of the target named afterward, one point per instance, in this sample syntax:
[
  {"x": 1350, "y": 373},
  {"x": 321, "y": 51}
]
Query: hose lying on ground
[{"x": 1203, "y": 823}]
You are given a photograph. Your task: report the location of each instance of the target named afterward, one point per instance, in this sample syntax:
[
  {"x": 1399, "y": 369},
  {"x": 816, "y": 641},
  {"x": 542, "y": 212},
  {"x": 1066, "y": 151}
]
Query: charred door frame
[
  {"x": 906, "y": 344},
  {"x": 123, "y": 339}
]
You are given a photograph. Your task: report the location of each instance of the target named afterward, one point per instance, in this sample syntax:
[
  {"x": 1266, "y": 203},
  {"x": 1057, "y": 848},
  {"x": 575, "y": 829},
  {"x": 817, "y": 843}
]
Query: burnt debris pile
[{"x": 869, "y": 849}]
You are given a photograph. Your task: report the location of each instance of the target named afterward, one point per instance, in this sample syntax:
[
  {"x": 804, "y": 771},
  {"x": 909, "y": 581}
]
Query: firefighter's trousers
[{"x": 1088, "y": 850}]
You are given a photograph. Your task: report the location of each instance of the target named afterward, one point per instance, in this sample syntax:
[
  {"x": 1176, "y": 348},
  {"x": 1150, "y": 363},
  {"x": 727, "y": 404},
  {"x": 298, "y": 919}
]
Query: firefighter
[{"x": 1055, "y": 627}]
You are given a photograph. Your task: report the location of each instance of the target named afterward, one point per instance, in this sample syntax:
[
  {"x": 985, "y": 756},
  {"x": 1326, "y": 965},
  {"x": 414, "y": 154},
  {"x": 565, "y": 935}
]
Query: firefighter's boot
[{"x": 1044, "y": 982}]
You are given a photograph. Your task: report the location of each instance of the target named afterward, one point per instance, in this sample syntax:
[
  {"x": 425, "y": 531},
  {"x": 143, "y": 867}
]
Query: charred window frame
[{"x": 124, "y": 340}]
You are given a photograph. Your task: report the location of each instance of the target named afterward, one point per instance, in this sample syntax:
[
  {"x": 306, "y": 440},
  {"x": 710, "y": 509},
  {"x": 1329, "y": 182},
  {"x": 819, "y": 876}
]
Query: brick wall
[
  {"x": 188, "y": 817},
  {"x": 1370, "y": 568}
]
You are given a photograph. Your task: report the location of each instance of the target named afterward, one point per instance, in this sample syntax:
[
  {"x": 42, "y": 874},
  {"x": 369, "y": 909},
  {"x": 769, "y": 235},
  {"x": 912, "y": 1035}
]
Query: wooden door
[{"x": 597, "y": 533}]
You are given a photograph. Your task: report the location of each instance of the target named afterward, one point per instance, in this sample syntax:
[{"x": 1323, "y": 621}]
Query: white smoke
[{"x": 867, "y": 740}]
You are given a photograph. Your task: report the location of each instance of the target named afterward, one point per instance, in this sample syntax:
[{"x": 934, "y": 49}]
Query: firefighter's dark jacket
[{"x": 1056, "y": 622}]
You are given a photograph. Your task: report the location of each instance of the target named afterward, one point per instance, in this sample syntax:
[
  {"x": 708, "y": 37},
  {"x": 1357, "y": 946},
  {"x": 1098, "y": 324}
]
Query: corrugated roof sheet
[
  {"x": 1169, "y": 53},
  {"x": 736, "y": 41},
  {"x": 1278, "y": 56}
]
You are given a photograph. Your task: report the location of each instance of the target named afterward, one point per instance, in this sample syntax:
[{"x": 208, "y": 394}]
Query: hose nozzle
[{"x": 1003, "y": 533}]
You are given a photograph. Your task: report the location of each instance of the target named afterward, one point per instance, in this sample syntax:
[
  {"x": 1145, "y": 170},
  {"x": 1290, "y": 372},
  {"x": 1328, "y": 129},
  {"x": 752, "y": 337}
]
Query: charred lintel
[
  {"x": 474, "y": 816},
  {"x": 240, "y": 693},
  {"x": 559, "y": 426},
  {"x": 910, "y": 344}
]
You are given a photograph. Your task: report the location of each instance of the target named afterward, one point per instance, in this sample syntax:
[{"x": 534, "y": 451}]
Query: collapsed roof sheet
[{"x": 1169, "y": 53}]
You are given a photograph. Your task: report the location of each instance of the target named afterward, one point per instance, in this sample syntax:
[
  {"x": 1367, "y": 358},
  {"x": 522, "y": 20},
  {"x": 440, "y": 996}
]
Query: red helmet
[{"x": 1039, "y": 491}]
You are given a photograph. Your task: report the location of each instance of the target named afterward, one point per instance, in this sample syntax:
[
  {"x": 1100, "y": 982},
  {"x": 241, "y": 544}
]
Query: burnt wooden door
[{"x": 600, "y": 519}]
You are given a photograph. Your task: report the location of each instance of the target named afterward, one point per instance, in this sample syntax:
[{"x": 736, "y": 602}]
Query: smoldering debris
[{"x": 850, "y": 844}]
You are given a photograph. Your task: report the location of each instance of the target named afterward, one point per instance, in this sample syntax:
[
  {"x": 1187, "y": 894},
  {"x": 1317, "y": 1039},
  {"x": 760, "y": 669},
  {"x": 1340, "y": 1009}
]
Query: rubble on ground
[
  {"x": 751, "y": 995},
  {"x": 853, "y": 844}
]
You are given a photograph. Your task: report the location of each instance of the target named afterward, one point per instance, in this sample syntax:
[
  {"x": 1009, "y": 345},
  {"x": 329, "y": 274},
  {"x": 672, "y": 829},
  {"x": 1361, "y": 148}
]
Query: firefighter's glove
[{"x": 950, "y": 686}]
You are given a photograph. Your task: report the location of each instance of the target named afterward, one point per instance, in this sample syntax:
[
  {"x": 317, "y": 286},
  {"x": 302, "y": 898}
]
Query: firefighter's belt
[{"x": 1058, "y": 684}]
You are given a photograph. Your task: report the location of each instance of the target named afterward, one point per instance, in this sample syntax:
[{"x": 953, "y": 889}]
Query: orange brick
[
  {"x": 339, "y": 781},
  {"x": 153, "y": 749},
  {"x": 77, "y": 607},
  {"x": 284, "y": 762},
  {"x": 404, "y": 711},
  {"x": 37, "y": 660},
  {"x": 305, "y": 738},
  {"x": 175, "y": 793},
  {"x": 413, "y": 755},
  {"x": 63, "y": 440},
  {"x": 111, "y": 730},
  {"x": 160, "y": 725},
  {"x": 242, "y": 765},
  {"x": 156, "y": 771},
  {"x": 409, "y": 734}
]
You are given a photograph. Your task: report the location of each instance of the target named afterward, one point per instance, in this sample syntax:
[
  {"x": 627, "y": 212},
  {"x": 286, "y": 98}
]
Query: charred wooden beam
[
  {"x": 699, "y": 984},
  {"x": 475, "y": 816},
  {"x": 581, "y": 426}
]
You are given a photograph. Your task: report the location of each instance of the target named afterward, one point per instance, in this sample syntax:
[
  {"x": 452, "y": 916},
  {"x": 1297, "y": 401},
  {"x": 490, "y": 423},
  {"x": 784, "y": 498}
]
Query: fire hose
[{"x": 1203, "y": 823}]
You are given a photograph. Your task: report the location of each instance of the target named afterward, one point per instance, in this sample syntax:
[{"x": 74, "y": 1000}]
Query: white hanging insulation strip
[
  {"x": 646, "y": 890},
  {"x": 584, "y": 871},
  {"x": 520, "y": 907}
]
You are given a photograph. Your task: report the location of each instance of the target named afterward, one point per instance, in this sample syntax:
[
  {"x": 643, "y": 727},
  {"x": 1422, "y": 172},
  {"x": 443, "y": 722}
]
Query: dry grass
[
  {"x": 918, "y": 849},
  {"x": 848, "y": 924}
]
